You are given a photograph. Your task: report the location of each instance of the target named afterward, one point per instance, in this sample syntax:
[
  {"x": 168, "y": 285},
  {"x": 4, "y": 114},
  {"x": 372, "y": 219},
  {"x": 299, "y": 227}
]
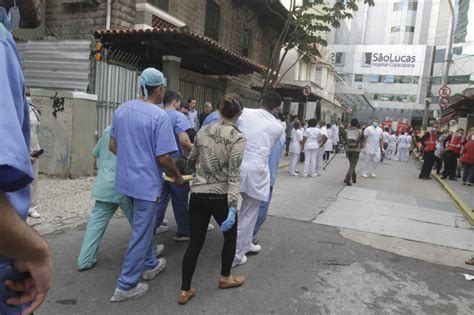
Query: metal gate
[
  {"x": 200, "y": 92},
  {"x": 114, "y": 85}
]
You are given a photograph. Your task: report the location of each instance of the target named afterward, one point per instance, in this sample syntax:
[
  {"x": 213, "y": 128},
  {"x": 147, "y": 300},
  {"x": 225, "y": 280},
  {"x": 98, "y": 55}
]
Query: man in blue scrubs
[
  {"x": 143, "y": 139},
  {"x": 177, "y": 193},
  {"x": 25, "y": 258}
]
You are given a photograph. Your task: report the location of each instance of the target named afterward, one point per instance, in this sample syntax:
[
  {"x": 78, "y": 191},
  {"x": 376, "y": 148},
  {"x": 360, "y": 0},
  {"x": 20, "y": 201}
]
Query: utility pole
[
  {"x": 449, "y": 53},
  {"x": 429, "y": 95}
]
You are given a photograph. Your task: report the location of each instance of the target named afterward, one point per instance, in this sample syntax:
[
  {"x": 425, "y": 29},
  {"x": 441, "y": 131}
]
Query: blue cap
[{"x": 151, "y": 77}]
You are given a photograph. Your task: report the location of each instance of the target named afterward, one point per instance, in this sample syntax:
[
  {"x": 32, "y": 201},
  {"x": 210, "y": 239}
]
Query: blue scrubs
[
  {"x": 212, "y": 118},
  {"x": 142, "y": 132},
  {"x": 177, "y": 193},
  {"x": 273, "y": 164},
  {"x": 15, "y": 166}
]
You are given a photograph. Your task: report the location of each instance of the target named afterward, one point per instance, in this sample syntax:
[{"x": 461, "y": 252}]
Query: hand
[
  {"x": 35, "y": 288},
  {"x": 229, "y": 222},
  {"x": 179, "y": 180},
  {"x": 33, "y": 159}
]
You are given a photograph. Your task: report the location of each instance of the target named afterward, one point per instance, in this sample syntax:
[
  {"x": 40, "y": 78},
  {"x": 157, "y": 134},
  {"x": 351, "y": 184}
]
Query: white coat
[{"x": 261, "y": 130}]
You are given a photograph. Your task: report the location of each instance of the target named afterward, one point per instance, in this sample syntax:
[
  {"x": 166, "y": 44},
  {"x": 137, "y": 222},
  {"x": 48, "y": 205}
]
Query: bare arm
[
  {"x": 170, "y": 168},
  {"x": 324, "y": 139},
  {"x": 185, "y": 142},
  {"x": 113, "y": 145},
  {"x": 31, "y": 254}
]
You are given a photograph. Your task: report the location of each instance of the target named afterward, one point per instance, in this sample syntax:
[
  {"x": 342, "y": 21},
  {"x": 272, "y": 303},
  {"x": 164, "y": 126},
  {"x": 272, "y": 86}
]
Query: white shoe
[
  {"x": 165, "y": 222},
  {"x": 162, "y": 229},
  {"x": 210, "y": 227},
  {"x": 365, "y": 175},
  {"x": 372, "y": 175},
  {"x": 33, "y": 213},
  {"x": 159, "y": 249},
  {"x": 243, "y": 261},
  {"x": 254, "y": 249},
  {"x": 123, "y": 295},
  {"x": 150, "y": 274}
]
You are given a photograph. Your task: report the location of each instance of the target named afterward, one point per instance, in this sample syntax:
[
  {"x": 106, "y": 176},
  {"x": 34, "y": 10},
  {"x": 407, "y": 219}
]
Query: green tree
[{"x": 303, "y": 29}]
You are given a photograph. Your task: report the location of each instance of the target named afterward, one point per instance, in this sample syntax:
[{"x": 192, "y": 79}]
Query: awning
[
  {"x": 447, "y": 117},
  {"x": 198, "y": 53},
  {"x": 352, "y": 97},
  {"x": 295, "y": 92}
]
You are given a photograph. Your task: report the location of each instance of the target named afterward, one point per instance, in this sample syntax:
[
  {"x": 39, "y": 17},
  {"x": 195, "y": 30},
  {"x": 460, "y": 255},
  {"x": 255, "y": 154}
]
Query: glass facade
[{"x": 376, "y": 78}]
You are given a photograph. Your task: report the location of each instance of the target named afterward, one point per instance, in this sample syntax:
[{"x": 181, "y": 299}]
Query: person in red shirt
[
  {"x": 467, "y": 160},
  {"x": 453, "y": 144},
  {"x": 429, "y": 145}
]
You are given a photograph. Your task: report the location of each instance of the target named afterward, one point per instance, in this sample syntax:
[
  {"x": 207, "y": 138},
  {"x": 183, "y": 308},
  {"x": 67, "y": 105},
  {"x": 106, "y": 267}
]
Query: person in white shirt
[
  {"x": 373, "y": 148},
  {"x": 319, "y": 159},
  {"x": 392, "y": 147},
  {"x": 404, "y": 145},
  {"x": 296, "y": 146},
  {"x": 313, "y": 141},
  {"x": 261, "y": 130},
  {"x": 328, "y": 146},
  {"x": 335, "y": 137},
  {"x": 386, "y": 140}
]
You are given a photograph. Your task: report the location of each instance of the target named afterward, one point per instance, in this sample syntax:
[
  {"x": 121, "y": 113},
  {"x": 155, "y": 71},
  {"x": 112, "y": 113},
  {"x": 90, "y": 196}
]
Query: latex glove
[{"x": 229, "y": 222}]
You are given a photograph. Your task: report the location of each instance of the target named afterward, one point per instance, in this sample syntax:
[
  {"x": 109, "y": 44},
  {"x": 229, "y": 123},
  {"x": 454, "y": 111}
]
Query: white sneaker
[
  {"x": 162, "y": 229},
  {"x": 210, "y": 227},
  {"x": 372, "y": 175},
  {"x": 33, "y": 213},
  {"x": 123, "y": 295},
  {"x": 365, "y": 175},
  {"x": 243, "y": 261},
  {"x": 254, "y": 249},
  {"x": 293, "y": 174},
  {"x": 159, "y": 249},
  {"x": 165, "y": 222},
  {"x": 150, "y": 274}
]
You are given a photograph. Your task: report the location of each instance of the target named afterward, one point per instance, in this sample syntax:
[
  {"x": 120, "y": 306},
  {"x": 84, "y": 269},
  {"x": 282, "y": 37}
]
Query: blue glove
[{"x": 229, "y": 222}]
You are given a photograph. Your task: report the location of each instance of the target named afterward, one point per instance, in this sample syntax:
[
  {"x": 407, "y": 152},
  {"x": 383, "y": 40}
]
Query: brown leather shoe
[
  {"x": 231, "y": 282},
  {"x": 470, "y": 261},
  {"x": 184, "y": 298}
]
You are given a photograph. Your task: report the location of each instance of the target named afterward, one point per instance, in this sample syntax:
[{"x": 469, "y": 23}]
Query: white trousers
[
  {"x": 310, "y": 162},
  {"x": 247, "y": 218},
  {"x": 404, "y": 154},
  {"x": 370, "y": 163},
  {"x": 319, "y": 161},
  {"x": 294, "y": 157},
  {"x": 34, "y": 188}
]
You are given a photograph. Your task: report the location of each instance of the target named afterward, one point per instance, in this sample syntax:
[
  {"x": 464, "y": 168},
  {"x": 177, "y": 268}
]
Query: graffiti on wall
[{"x": 58, "y": 105}]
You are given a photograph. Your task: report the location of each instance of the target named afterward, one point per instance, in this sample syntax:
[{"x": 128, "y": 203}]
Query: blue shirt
[
  {"x": 142, "y": 132},
  {"x": 274, "y": 160},
  {"x": 192, "y": 118},
  {"x": 15, "y": 165},
  {"x": 212, "y": 118},
  {"x": 180, "y": 124},
  {"x": 104, "y": 186}
]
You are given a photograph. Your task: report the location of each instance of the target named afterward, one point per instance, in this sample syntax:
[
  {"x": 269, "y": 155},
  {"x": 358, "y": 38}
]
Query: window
[
  {"x": 397, "y": 6},
  {"x": 410, "y": 29},
  {"x": 395, "y": 29},
  {"x": 401, "y": 6},
  {"x": 374, "y": 78},
  {"x": 247, "y": 42},
  {"x": 440, "y": 55},
  {"x": 389, "y": 79},
  {"x": 413, "y": 5},
  {"x": 162, "y": 4},
  {"x": 211, "y": 28},
  {"x": 358, "y": 78},
  {"x": 339, "y": 59},
  {"x": 457, "y": 51}
]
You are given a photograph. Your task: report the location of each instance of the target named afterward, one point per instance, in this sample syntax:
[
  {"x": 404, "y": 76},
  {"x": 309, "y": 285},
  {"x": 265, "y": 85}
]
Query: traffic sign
[
  {"x": 443, "y": 103},
  {"x": 445, "y": 91},
  {"x": 307, "y": 90}
]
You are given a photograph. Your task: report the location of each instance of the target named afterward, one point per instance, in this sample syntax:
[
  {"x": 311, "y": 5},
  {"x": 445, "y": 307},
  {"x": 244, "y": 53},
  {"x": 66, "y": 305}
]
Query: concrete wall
[{"x": 66, "y": 132}]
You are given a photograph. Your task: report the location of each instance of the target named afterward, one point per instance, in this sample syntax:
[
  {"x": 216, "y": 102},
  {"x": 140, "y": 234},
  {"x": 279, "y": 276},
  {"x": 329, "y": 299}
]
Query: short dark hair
[
  {"x": 297, "y": 124},
  {"x": 271, "y": 100},
  {"x": 322, "y": 123},
  {"x": 191, "y": 99},
  {"x": 171, "y": 96},
  {"x": 231, "y": 105},
  {"x": 312, "y": 122},
  {"x": 354, "y": 122}
]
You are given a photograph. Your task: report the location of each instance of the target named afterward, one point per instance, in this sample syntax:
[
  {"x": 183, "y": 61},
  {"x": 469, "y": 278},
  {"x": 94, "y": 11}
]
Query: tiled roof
[
  {"x": 203, "y": 39},
  {"x": 158, "y": 22}
]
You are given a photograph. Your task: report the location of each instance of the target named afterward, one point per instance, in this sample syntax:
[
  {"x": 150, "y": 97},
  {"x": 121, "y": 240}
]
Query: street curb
[{"x": 465, "y": 209}]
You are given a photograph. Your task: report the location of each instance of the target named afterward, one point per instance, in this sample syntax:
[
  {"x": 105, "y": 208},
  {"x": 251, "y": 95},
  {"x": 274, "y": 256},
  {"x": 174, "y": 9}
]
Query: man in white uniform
[
  {"x": 373, "y": 148},
  {"x": 386, "y": 140},
  {"x": 319, "y": 159},
  {"x": 262, "y": 130}
]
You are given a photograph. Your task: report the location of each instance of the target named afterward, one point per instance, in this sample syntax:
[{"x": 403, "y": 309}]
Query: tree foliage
[{"x": 304, "y": 28}]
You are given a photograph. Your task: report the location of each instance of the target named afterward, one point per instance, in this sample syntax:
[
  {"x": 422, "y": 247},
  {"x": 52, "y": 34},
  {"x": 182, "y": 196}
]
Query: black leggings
[{"x": 201, "y": 208}]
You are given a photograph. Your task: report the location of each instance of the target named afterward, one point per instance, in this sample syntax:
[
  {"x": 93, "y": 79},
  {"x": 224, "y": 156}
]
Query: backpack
[{"x": 353, "y": 137}]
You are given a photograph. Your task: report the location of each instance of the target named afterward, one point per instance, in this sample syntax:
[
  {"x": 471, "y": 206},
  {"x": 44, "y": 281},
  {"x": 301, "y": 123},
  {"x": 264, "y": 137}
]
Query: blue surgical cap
[{"x": 151, "y": 77}]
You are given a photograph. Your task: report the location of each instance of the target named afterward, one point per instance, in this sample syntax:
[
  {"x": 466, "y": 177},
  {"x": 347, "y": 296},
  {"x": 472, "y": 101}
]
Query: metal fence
[{"x": 114, "y": 85}]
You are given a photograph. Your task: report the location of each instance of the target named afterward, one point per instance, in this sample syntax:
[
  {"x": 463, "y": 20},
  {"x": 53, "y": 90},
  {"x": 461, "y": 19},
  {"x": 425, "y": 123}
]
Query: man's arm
[
  {"x": 30, "y": 253},
  {"x": 169, "y": 167},
  {"x": 185, "y": 142},
  {"x": 113, "y": 145},
  {"x": 324, "y": 140}
]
